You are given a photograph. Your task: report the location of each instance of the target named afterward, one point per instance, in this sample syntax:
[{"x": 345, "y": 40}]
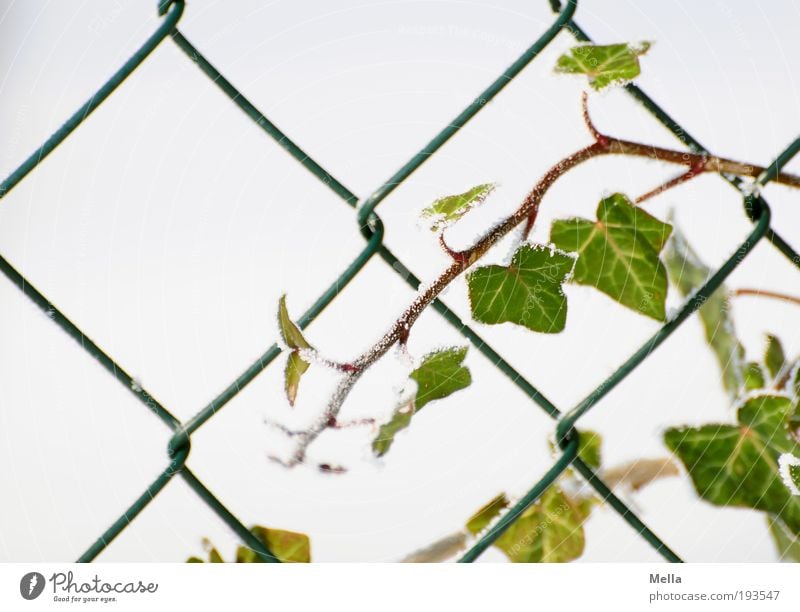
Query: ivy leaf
[
  {"x": 487, "y": 513},
  {"x": 786, "y": 542},
  {"x": 440, "y": 374},
  {"x": 291, "y": 334},
  {"x": 603, "y": 64},
  {"x": 737, "y": 465},
  {"x": 296, "y": 366},
  {"x": 618, "y": 254},
  {"x": 399, "y": 421},
  {"x": 753, "y": 376},
  {"x": 549, "y": 531},
  {"x": 589, "y": 448},
  {"x": 789, "y": 467},
  {"x": 774, "y": 357},
  {"x": 288, "y": 546},
  {"x": 687, "y": 273},
  {"x": 528, "y": 292},
  {"x": 450, "y": 209}
]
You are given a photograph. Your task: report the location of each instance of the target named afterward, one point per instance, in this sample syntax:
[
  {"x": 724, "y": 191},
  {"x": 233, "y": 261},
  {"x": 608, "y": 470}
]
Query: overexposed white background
[{"x": 168, "y": 225}]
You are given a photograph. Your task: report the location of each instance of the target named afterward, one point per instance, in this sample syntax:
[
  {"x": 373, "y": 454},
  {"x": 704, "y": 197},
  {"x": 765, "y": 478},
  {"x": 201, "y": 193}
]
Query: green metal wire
[{"x": 372, "y": 228}]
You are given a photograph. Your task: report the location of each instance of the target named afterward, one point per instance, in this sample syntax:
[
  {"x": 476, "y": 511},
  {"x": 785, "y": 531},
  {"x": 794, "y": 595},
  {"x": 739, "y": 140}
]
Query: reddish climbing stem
[
  {"x": 785, "y": 297},
  {"x": 526, "y": 213}
]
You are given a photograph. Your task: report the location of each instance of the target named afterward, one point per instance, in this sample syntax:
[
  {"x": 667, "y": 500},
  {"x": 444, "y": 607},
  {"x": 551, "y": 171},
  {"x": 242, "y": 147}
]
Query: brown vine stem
[
  {"x": 527, "y": 212},
  {"x": 792, "y": 299}
]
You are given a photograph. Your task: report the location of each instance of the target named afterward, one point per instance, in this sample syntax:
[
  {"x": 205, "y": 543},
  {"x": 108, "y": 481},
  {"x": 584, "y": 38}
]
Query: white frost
[{"x": 785, "y": 462}]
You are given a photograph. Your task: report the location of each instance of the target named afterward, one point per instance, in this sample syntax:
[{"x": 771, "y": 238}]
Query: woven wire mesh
[{"x": 371, "y": 228}]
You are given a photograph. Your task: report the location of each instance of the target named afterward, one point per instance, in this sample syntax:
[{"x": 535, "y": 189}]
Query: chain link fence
[{"x": 371, "y": 227}]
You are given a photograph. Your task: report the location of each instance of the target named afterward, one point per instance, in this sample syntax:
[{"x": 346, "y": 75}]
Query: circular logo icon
[{"x": 31, "y": 585}]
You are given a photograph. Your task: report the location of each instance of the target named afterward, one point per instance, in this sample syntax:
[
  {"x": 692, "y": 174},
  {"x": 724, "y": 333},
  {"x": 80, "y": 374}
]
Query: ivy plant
[{"x": 632, "y": 256}]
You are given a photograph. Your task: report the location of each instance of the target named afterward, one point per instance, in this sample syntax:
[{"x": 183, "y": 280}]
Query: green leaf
[
  {"x": 246, "y": 555},
  {"x": 549, "y": 531},
  {"x": 589, "y": 448},
  {"x": 450, "y": 209},
  {"x": 214, "y": 556},
  {"x": 687, "y": 273},
  {"x": 786, "y": 542},
  {"x": 737, "y": 465},
  {"x": 288, "y": 546},
  {"x": 603, "y": 64},
  {"x": 399, "y": 421},
  {"x": 487, "y": 513},
  {"x": 194, "y": 560},
  {"x": 618, "y": 253},
  {"x": 753, "y": 376},
  {"x": 292, "y": 335},
  {"x": 440, "y": 374},
  {"x": 528, "y": 292},
  {"x": 774, "y": 357},
  {"x": 296, "y": 366}
]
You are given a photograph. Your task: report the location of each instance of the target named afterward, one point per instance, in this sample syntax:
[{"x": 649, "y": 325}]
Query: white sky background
[{"x": 168, "y": 225}]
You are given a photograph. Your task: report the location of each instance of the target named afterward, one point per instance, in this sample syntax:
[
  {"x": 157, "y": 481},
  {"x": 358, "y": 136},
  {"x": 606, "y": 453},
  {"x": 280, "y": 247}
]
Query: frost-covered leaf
[
  {"x": 487, "y": 513},
  {"x": 618, "y": 253},
  {"x": 549, "y": 531},
  {"x": 527, "y": 292},
  {"x": 789, "y": 467},
  {"x": 296, "y": 366},
  {"x": 687, "y": 273},
  {"x": 753, "y": 376},
  {"x": 603, "y": 64},
  {"x": 399, "y": 421},
  {"x": 774, "y": 357},
  {"x": 288, "y": 546},
  {"x": 737, "y": 465},
  {"x": 440, "y": 374},
  {"x": 450, "y": 209},
  {"x": 589, "y": 448},
  {"x": 292, "y": 335},
  {"x": 786, "y": 542}
]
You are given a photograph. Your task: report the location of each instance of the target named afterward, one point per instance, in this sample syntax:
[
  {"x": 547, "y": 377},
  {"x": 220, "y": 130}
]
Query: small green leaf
[
  {"x": 787, "y": 543},
  {"x": 440, "y": 374},
  {"x": 291, "y": 334},
  {"x": 737, "y": 465},
  {"x": 753, "y": 376},
  {"x": 487, "y": 513},
  {"x": 214, "y": 556},
  {"x": 549, "y": 531},
  {"x": 603, "y": 64},
  {"x": 246, "y": 555},
  {"x": 194, "y": 560},
  {"x": 774, "y": 357},
  {"x": 528, "y": 292},
  {"x": 288, "y": 546},
  {"x": 399, "y": 421},
  {"x": 618, "y": 254},
  {"x": 450, "y": 209},
  {"x": 688, "y": 273},
  {"x": 589, "y": 448},
  {"x": 296, "y": 366}
]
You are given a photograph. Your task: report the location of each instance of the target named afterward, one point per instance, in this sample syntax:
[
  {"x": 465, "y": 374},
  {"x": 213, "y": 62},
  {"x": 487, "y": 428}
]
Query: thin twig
[
  {"x": 526, "y": 212},
  {"x": 792, "y": 299}
]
